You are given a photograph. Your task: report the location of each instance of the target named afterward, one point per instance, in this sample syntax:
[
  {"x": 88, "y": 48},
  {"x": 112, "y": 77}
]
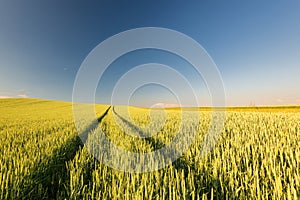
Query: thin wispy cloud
[
  {"x": 5, "y": 97},
  {"x": 17, "y": 94},
  {"x": 23, "y": 95},
  {"x": 165, "y": 105},
  {"x": 280, "y": 100}
]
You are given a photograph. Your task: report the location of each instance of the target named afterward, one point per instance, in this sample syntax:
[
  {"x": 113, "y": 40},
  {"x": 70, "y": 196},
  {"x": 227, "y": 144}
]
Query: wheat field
[{"x": 257, "y": 155}]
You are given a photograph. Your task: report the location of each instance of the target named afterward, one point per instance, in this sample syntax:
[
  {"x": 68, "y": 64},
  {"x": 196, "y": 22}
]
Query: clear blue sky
[{"x": 255, "y": 44}]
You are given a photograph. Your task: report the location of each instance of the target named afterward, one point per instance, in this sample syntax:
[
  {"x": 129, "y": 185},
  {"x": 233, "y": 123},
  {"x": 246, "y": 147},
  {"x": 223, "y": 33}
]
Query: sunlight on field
[{"x": 256, "y": 157}]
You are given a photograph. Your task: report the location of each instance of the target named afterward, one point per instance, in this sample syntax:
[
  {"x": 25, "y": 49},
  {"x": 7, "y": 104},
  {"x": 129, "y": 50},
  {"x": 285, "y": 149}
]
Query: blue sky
[{"x": 255, "y": 44}]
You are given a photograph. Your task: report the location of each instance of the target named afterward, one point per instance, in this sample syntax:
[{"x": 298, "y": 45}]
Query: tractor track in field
[
  {"x": 154, "y": 143},
  {"x": 180, "y": 164},
  {"x": 83, "y": 136},
  {"x": 56, "y": 169}
]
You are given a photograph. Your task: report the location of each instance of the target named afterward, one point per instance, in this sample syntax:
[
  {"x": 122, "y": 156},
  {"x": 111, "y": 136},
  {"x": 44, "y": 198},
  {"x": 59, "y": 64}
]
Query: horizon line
[{"x": 218, "y": 107}]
